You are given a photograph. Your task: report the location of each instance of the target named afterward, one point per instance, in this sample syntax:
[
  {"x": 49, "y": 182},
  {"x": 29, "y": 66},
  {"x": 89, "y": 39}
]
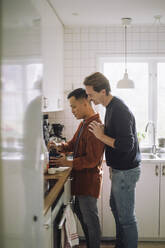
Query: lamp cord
[{"x": 125, "y": 33}]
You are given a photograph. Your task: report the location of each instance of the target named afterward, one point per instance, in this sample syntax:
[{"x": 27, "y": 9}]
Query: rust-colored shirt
[{"x": 87, "y": 165}]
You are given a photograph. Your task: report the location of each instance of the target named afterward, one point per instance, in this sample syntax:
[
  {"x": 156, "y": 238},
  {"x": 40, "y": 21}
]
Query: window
[
  {"x": 161, "y": 100},
  {"x": 18, "y": 80},
  {"x": 146, "y": 101}
]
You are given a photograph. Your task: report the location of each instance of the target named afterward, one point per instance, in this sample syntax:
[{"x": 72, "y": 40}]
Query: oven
[
  {"x": 55, "y": 217},
  {"x": 57, "y": 211}
]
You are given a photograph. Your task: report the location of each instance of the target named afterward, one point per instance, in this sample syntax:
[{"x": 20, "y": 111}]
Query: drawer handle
[
  {"x": 157, "y": 170},
  {"x": 70, "y": 178},
  {"x": 45, "y": 102},
  {"x": 46, "y": 226},
  {"x": 163, "y": 170}
]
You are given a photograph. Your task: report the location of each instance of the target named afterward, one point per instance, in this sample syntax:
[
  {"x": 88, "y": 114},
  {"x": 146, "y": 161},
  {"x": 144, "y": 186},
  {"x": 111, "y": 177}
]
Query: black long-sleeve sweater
[{"x": 120, "y": 125}]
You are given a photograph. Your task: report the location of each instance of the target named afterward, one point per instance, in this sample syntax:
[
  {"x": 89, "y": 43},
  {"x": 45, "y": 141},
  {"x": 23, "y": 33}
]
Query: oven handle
[{"x": 63, "y": 217}]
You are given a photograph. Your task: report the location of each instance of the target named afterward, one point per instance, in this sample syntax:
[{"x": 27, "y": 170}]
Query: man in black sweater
[{"x": 122, "y": 156}]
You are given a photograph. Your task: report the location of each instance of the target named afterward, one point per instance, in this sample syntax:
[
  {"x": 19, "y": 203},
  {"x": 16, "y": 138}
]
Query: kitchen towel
[
  {"x": 64, "y": 239},
  {"x": 71, "y": 228}
]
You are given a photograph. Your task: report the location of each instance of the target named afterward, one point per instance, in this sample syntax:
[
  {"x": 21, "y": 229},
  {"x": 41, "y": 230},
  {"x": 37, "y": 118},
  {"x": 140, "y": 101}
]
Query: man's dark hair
[
  {"x": 79, "y": 93},
  {"x": 98, "y": 81}
]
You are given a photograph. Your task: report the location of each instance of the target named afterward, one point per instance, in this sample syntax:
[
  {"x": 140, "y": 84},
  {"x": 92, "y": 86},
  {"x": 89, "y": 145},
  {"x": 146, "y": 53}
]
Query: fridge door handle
[{"x": 157, "y": 170}]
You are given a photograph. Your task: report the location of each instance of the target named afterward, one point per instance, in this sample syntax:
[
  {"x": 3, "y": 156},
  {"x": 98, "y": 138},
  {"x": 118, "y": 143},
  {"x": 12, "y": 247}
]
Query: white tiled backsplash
[{"x": 83, "y": 46}]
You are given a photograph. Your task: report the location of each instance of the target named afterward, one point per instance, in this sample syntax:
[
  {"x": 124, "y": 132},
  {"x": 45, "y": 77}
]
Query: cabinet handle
[
  {"x": 70, "y": 178},
  {"x": 45, "y": 102},
  {"x": 59, "y": 103},
  {"x": 163, "y": 170},
  {"x": 157, "y": 170},
  {"x": 70, "y": 202},
  {"x": 46, "y": 226}
]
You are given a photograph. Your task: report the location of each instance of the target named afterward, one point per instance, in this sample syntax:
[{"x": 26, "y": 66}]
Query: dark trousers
[
  {"x": 85, "y": 207},
  {"x": 122, "y": 203}
]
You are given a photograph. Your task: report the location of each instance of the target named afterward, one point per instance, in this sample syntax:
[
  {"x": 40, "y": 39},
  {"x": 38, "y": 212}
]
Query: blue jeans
[
  {"x": 122, "y": 203},
  {"x": 85, "y": 208}
]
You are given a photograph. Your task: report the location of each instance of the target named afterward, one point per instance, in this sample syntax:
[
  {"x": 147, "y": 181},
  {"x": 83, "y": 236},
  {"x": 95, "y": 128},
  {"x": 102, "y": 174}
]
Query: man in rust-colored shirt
[{"x": 86, "y": 167}]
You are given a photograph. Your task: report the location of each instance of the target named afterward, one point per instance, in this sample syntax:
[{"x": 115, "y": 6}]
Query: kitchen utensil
[{"x": 161, "y": 142}]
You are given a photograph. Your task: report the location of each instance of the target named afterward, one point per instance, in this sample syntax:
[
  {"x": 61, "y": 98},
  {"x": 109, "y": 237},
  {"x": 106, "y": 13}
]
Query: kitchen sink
[
  {"x": 161, "y": 155},
  {"x": 146, "y": 149},
  {"x": 148, "y": 156}
]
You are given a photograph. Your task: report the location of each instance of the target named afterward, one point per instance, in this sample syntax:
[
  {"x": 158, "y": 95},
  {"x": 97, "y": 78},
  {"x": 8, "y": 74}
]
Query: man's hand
[
  {"x": 51, "y": 145},
  {"x": 61, "y": 161},
  {"x": 97, "y": 129}
]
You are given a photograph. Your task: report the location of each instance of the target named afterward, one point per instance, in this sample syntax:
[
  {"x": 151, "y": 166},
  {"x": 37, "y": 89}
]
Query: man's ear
[
  {"x": 89, "y": 100},
  {"x": 86, "y": 102},
  {"x": 103, "y": 91}
]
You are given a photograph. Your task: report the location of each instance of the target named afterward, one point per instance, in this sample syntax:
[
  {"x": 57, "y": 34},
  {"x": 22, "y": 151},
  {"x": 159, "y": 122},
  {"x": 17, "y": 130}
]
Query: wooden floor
[{"x": 141, "y": 245}]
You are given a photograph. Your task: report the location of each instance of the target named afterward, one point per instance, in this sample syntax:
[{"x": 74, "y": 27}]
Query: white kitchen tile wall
[{"x": 83, "y": 46}]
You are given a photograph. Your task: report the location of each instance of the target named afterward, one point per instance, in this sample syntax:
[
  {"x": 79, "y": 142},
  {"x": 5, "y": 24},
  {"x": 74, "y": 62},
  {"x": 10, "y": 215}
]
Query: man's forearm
[{"x": 107, "y": 140}]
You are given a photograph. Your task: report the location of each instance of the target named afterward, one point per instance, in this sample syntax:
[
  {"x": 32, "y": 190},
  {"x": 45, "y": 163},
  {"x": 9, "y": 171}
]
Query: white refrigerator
[{"x": 21, "y": 170}]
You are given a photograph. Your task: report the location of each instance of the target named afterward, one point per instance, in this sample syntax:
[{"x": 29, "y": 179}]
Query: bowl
[{"x": 51, "y": 170}]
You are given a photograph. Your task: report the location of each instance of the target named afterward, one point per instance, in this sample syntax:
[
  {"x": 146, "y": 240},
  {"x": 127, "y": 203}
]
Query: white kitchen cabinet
[
  {"x": 147, "y": 200},
  {"x": 47, "y": 230},
  {"x": 108, "y": 223},
  {"x": 150, "y": 201},
  {"x": 52, "y": 50},
  {"x": 67, "y": 191},
  {"x": 162, "y": 200}
]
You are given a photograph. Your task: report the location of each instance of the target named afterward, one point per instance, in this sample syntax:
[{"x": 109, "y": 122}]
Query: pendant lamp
[{"x": 125, "y": 82}]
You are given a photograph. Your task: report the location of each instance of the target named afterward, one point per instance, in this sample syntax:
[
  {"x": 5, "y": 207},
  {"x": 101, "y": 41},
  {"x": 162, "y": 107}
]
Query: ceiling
[
  {"x": 108, "y": 12},
  {"x": 18, "y": 13}
]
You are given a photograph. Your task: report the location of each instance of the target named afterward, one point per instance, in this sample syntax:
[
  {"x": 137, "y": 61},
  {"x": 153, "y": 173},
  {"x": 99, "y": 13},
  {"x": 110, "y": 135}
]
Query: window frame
[{"x": 152, "y": 81}]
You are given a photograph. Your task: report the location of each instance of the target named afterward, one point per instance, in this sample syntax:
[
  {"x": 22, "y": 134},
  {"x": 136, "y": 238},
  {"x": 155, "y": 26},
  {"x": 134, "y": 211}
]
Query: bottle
[
  {"x": 46, "y": 128},
  {"x": 55, "y": 154},
  {"x": 45, "y": 153}
]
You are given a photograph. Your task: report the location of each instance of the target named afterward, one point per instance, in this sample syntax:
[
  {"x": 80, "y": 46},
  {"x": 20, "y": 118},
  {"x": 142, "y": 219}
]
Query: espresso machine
[
  {"x": 46, "y": 129},
  {"x": 57, "y": 138},
  {"x": 56, "y": 133}
]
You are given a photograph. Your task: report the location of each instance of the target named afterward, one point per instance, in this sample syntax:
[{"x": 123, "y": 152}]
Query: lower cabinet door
[
  {"x": 47, "y": 230},
  {"x": 108, "y": 223},
  {"x": 67, "y": 191},
  {"x": 147, "y": 200},
  {"x": 162, "y": 202}
]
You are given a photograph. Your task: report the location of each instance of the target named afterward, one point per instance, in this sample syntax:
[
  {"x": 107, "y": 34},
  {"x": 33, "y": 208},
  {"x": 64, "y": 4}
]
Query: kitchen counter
[
  {"x": 153, "y": 158},
  {"x": 52, "y": 195}
]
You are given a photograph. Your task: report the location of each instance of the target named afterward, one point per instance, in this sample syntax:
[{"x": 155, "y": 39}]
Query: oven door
[{"x": 57, "y": 214}]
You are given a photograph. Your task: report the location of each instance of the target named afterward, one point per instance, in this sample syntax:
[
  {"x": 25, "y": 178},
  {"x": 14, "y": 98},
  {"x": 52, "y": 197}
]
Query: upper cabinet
[{"x": 52, "y": 49}]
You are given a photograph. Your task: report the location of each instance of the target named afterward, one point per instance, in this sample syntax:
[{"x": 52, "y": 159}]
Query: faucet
[{"x": 150, "y": 123}]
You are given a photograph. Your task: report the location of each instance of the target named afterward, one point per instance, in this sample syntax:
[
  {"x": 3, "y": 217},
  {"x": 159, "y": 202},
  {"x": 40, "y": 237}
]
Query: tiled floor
[{"x": 141, "y": 245}]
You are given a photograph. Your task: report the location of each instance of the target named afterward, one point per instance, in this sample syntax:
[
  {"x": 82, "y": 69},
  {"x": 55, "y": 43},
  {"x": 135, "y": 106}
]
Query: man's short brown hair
[{"x": 98, "y": 81}]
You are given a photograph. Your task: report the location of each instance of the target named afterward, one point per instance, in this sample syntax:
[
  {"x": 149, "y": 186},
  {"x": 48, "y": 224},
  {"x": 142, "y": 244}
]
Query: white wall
[{"x": 83, "y": 45}]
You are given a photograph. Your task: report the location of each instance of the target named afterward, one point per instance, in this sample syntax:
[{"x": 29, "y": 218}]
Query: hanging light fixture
[
  {"x": 157, "y": 24},
  {"x": 125, "y": 83}
]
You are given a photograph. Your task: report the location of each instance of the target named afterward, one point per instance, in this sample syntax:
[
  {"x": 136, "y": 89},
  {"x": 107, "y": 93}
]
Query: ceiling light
[{"x": 125, "y": 82}]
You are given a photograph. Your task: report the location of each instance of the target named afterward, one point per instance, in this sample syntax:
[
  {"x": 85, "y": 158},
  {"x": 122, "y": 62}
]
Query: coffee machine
[
  {"x": 57, "y": 138},
  {"x": 46, "y": 128},
  {"x": 56, "y": 133}
]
